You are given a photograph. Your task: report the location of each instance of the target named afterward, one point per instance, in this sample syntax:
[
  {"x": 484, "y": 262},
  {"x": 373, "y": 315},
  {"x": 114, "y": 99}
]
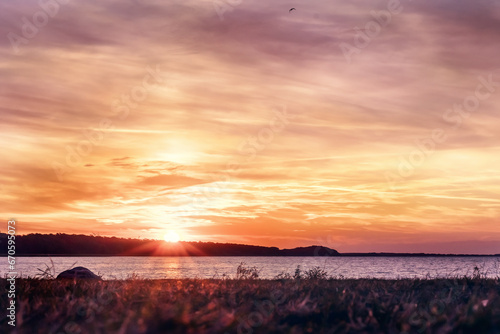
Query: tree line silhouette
[{"x": 78, "y": 245}]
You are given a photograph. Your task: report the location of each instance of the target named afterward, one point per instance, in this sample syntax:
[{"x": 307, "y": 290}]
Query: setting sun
[{"x": 171, "y": 236}]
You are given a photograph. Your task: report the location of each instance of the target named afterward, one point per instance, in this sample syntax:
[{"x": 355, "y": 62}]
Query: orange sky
[{"x": 246, "y": 123}]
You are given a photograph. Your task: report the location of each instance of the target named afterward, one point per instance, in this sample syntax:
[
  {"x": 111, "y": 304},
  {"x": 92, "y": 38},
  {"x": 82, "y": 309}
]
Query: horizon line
[{"x": 371, "y": 253}]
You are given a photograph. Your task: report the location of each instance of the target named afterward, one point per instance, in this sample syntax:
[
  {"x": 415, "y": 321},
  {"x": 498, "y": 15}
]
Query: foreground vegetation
[{"x": 301, "y": 303}]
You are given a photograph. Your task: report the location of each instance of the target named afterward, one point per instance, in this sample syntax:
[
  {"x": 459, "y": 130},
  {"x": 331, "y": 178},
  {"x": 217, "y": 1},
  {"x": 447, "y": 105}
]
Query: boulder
[{"x": 78, "y": 273}]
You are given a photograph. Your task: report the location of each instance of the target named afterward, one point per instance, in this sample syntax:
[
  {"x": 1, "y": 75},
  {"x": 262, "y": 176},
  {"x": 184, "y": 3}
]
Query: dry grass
[{"x": 464, "y": 305}]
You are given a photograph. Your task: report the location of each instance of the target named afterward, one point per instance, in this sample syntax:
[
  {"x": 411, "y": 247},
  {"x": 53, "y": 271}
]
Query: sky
[{"x": 358, "y": 125}]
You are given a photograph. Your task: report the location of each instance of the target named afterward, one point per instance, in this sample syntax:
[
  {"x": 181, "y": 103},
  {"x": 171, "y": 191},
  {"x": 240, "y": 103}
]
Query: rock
[{"x": 78, "y": 272}]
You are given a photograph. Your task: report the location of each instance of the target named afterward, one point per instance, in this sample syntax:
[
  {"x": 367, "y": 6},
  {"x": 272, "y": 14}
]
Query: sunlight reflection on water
[{"x": 217, "y": 267}]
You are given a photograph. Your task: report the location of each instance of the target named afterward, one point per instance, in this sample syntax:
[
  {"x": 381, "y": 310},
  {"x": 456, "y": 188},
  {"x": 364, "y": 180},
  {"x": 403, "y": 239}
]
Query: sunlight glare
[{"x": 171, "y": 236}]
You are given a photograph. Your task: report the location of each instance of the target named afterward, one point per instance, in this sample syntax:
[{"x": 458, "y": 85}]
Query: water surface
[{"x": 218, "y": 267}]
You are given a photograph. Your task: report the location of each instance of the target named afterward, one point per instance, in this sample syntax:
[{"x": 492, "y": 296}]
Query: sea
[{"x": 124, "y": 267}]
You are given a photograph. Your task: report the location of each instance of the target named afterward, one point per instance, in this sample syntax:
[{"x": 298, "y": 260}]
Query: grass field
[{"x": 460, "y": 305}]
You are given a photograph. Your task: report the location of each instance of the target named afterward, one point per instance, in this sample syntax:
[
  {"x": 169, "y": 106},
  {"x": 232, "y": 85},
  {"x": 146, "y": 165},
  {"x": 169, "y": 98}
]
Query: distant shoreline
[
  {"x": 74, "y": 245},
  {"x": 335, "y": 256}
]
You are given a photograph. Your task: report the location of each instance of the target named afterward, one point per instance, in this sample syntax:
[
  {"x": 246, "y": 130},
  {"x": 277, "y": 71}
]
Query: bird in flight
[{"x": 291, "y": 10}]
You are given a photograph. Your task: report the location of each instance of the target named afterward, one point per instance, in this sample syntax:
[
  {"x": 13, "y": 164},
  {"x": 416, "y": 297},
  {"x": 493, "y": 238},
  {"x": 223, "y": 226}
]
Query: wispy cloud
[{"x": 323, "y": 175}]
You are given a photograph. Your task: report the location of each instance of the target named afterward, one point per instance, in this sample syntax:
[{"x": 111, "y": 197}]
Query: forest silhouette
[{"x": 80, "y": 245}]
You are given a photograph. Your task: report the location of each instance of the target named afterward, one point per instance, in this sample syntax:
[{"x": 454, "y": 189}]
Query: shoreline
[
  {"x": 293, "y": 256},
  {"x": 257, "y": 280}
]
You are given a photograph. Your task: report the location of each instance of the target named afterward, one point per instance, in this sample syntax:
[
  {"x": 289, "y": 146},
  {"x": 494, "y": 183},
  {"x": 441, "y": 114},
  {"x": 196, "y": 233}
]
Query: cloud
[
  {"x": 172, "y": 181},
  {"x": 166, "y": 162}
]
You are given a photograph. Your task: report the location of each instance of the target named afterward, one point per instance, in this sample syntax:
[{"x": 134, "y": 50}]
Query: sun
[{"x": 171, "y": 236}]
